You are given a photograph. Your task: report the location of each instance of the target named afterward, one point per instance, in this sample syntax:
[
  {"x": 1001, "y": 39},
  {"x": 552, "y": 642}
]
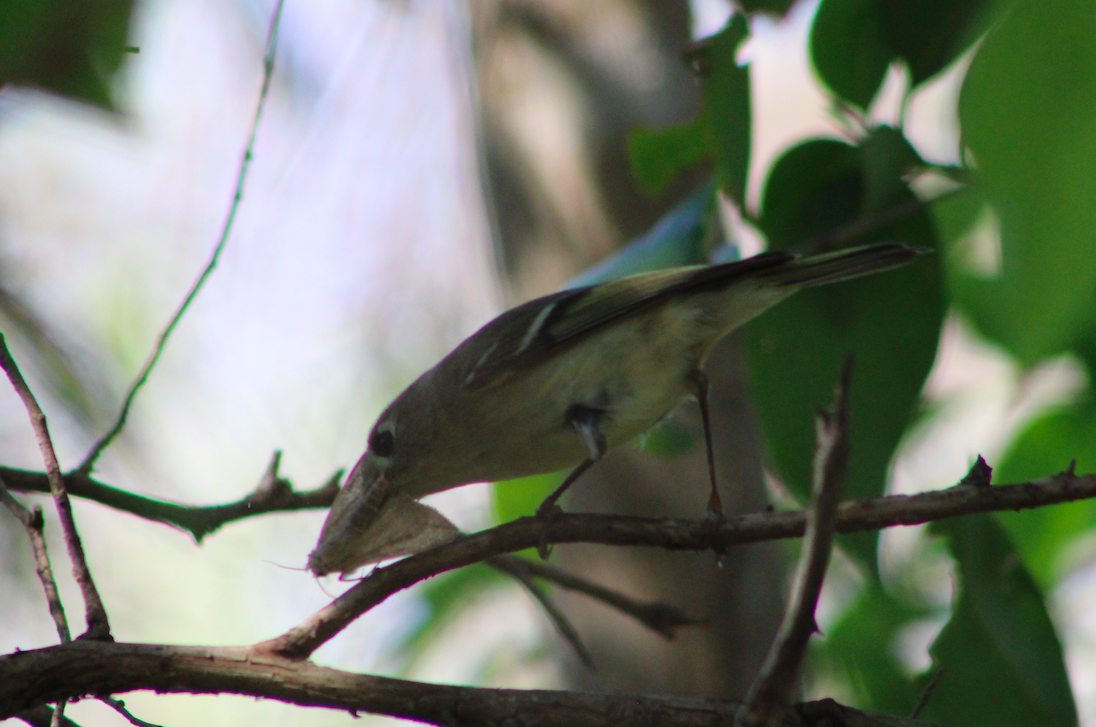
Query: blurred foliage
[
  {"x": 889, "y": 323},
  {"x": 71, "y": 49},
  {"x": 1017, "y": 260},
  {"x": 68, "y": 47},
  {"x": 445, "y": 596},
  {"x": 1028, "y": 109},
  {"x": 861, "y": 650},
  {"x": 854, "y": 42},
  {"x": 720, "y": 133},
  {"x": 1001, "y": 658},
  {"x": 1028, "y": 115}
]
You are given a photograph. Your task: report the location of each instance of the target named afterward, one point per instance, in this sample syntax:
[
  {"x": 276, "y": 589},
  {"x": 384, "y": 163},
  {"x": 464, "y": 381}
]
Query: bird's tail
[{"x": 832, "y": 267}]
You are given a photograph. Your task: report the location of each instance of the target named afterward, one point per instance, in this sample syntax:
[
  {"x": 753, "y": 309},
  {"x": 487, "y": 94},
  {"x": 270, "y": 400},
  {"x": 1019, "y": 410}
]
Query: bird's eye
[{"x": 382, "y": 443}]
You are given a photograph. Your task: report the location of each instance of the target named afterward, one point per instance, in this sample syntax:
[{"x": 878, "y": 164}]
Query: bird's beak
[{"x": 371, "y": 521}]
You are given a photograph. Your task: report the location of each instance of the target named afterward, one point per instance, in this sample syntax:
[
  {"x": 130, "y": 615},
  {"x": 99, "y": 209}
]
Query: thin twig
[
  {"x": 98, "y": 625},
  {"x": 42, "y": 716},
  {"x": 120, "y": 707},
  {"x": 161, "y": 341},
  {"x": 199, "y": 520},
  {"x": 659, "y": 616},
  {"x": 873, "y": 513},
  {"x": 58, "y": 717},
  {"x": 926, "y": 693},
  {"x": 515, "y": 568},
  {"x": 35, "y": 524},
  {"x": 778, "y": 677}
]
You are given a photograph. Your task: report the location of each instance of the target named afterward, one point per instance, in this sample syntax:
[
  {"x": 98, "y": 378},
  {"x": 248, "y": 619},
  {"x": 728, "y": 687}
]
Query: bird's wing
[{"x": 531, "y": 332}]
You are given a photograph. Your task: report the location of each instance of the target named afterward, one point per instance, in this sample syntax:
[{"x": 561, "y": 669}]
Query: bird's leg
[
  {"x": 585, "y": 420},
  {"x": 700, "y": 381}
]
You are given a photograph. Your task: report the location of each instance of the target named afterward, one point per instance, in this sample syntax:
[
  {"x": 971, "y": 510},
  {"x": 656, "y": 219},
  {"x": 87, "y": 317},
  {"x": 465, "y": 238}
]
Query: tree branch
[
  {"x": 273, "y": 494},
  {"x": 98, "y": 624},
  {"x": 778, "y": 677},
  {"x": 35, "y": 524},
  {"x": 514, "y": 566},
  {"x": 669, "y": 533},
  {"x": 31, "y": 678},
  {"x": 659, "y": 616}
]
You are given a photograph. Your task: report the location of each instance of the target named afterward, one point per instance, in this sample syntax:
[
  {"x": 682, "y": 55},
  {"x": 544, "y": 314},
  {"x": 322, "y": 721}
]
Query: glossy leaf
[
  {"x": 1047, "y": 446},
  {"x": 1002, "y": 658},
  {"x": 1028, "y": 110},
  {"x": 930, "y": 34},
  {"x": 725, "y": 107},
  {"x": 658, "y": 156},
  {"x": 849, "y": 50},
  {"x": 889, "y": 322}
]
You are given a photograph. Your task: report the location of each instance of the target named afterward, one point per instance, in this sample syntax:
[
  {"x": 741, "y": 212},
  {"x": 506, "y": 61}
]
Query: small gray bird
[{"x": 555, "y": 383}]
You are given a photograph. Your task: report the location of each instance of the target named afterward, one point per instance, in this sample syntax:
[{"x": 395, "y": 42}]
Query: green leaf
[
  {"x": 719, "y": 133},
  {"x": 1002, "y": 658},
  {"x": 659, "y": 156},
  {"x": 814, "y": 187},
  {"x": 886, "y": 158},
  {"x": 511, "y": 499},
  {"x": 889, "y": 322},
  {"x": 1045, "y": 447},
  {"x": 861, "y": 650},
  {"x": 849, "y": 50},
  {"x": 69, "y": 48},
  {"x": 1028, "y": 110},
  {"x": 725, "y": 107},
  {"x": 930, "y": 34}
]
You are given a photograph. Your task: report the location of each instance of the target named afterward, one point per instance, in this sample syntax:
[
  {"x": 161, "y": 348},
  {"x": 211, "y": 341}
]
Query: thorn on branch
[
  {"x": 979, "y": 475},
  {"x": 120, "y": 707},
  {"x": 270, "y": 484}
]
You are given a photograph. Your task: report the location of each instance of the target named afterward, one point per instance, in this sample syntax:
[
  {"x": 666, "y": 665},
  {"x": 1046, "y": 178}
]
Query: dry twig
[
  {"x": 659, "y": 616},
  {"x": 34, "y": 523},
  {"x": 98, "y": 625},
  {"x": 778, "y": 677},
  {"x": 161, "y": 340}
]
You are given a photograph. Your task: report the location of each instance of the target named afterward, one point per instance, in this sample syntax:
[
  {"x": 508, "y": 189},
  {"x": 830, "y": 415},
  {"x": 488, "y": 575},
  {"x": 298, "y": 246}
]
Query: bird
[{"x": 555, "y": 383}]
